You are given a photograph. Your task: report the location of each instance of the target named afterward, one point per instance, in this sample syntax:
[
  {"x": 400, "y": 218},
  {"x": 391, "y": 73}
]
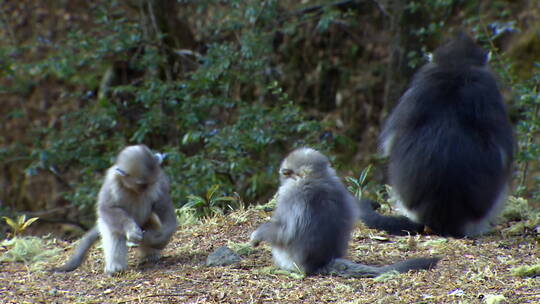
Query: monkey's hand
[
  {"x": 255, "y": 238},
  {"x": 258, "y": 235},
  {"x": 135, "y": 234}
]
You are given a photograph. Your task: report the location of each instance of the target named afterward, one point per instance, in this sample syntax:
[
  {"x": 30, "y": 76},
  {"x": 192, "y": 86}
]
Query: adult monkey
[
  {"x": 450, "y": 146},
  {"x": 315, "y": 214},
  {"x": 133, "y": 197}
]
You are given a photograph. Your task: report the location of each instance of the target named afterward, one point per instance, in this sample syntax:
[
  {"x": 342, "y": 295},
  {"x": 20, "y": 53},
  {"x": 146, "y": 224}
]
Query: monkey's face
[
  {"x": 290, "y": 174},
  {"x": 303, "y": 163},
  {"x": 137, "y": 168},
  {"x": 137, "y": 183}
]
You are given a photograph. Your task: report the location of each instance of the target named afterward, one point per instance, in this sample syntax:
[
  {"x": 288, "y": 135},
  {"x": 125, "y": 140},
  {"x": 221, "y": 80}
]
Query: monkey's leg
[{"x": 115, "y": 251}]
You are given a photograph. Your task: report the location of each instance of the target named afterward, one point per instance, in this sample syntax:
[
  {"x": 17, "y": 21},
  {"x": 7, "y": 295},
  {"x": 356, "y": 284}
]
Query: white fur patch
[
  {"x": 283, "y": 260},
  {"x": 482, "y": 226},
  {"x": 386, "y": 146}
]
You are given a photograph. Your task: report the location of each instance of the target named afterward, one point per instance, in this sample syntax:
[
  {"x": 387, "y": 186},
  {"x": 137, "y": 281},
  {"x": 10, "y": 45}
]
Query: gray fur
[
  {"x": 127, "y": 201},
  {"x": 315, "y": 215}
]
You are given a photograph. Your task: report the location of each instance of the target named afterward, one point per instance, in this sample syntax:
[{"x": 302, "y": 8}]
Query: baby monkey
[
  {"x": 133, "y": 205},
  {"x": 314, "y": 217}
]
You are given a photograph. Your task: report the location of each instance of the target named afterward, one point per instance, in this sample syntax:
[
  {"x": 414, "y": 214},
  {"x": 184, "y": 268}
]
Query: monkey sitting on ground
[
  {"x": 133, "y": 197},
  {"x": 314, "y": 217},
  {"x": 450, "y": 146}
]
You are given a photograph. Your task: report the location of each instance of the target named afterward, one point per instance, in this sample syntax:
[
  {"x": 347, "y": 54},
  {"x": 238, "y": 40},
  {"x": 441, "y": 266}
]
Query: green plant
[
  {"x": 19, "y": 225},
  {"x": 28, "y": 250},
  {"x": 357, "y": 186},
  {"x": 212, "y": 203}
]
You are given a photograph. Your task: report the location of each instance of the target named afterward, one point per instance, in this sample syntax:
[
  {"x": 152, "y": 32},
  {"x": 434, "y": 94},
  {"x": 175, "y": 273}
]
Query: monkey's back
[
  {"x": 322, "y": 215},
  {"x": 453, "y": 147}
]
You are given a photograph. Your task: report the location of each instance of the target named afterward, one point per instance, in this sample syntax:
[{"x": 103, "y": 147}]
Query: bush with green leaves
[
  {"x": 223, "y": 120},
  {"x": 225, "y": 88}
]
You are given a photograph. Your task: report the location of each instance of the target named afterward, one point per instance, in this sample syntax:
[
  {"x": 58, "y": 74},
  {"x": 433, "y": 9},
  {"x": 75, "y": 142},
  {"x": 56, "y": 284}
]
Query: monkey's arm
[
  {"x": 164, "y": 210},
  {"x": 80, "y": 253},
  {"x": 270, "y": 232},
  {"x": 396, "y": 225},
  {"x": 118, "y": 221}
]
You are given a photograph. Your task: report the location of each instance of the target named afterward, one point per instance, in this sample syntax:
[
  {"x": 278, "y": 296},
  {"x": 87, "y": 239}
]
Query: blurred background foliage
[{"x": 226, "y": 88}]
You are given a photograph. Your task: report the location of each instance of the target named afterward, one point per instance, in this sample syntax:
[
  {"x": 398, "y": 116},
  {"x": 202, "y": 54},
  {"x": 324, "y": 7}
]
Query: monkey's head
[
  {"x": 460, "y": 51},
  {"x": 304, "y": 163},
  {"x": 137, "y": 168}
]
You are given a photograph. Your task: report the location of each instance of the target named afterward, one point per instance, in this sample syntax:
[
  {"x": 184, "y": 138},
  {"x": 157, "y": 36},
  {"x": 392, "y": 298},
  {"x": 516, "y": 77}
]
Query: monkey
[
  {"x": 450, "y": 146},
  {"x": 133, "y": 205},
  {"x": 314, "y": 218}
]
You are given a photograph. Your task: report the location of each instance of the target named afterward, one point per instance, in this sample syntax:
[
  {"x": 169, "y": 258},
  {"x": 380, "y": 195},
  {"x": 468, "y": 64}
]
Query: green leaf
[
  {"x": 28, "y": 223},
  {"x": 11, "y": 223}
]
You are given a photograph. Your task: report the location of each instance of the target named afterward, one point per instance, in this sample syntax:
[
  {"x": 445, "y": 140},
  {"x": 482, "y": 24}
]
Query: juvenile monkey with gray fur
[
  {"x": 314, "y": 218},
  {"x": 133, "y": 205}
]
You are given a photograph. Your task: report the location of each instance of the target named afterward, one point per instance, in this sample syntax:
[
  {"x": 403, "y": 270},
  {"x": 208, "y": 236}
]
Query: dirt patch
[{"x": 470, "y": 270}]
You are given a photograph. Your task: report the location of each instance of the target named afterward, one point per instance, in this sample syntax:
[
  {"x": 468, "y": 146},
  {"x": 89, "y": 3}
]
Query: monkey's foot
[
  {"x": 150, "y": 259},
  {"x": 149, "y": 255},
  {"x": 115, "y": 269}
]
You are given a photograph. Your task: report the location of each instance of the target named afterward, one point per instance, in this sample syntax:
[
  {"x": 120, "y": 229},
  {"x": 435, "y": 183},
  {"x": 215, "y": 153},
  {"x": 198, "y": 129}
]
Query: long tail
[
  {"x": 396, "y": 225},
  {"x": 412, "y": 264},
  {"x": 80, "y": 253},
  {"x": 348, "y": 269}
]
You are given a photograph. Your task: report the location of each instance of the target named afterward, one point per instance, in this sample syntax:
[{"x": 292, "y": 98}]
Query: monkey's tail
[
  {"x": 396, "y": 225},
  {"x": 346, "y": 268},
  {"x": 80, "y": 253},
  {"x": 349, "y": 269},
  {"x": 412, "y": 264}
]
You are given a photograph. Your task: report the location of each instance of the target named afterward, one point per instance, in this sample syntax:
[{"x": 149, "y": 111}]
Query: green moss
[{"x": 526, "y": 271}]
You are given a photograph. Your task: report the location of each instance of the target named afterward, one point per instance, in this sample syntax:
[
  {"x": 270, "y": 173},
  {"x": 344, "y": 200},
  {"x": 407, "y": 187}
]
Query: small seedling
[{"x": 19, "y": 225}]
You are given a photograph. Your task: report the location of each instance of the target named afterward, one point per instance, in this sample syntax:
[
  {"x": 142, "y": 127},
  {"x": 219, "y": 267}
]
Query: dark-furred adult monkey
[
  {"x": 133, "y": 205},
  {"x": 450, "y": 146},
  {"x": 315, "y": 215}
]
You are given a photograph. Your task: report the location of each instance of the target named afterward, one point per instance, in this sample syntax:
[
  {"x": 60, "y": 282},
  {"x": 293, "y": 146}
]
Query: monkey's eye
[
  {"x": 286, "y": 172},
  {"x": 121, "y": 172}
]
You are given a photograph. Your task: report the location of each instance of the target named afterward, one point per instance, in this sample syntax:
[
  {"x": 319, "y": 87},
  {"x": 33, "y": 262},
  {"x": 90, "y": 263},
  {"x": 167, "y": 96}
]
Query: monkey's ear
[
  {"x": 160, "y": 157},
  {"x": 120, "y": 172}
]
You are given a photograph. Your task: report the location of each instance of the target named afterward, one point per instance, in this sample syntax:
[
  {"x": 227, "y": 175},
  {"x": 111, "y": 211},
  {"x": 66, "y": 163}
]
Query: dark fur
[{"x": 450, "y": 144}]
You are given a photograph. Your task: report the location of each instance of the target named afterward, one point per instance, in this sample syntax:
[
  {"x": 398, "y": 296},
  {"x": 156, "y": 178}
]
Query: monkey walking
[
  {"x": 450, "y": 146},
  {"x": 133, "y": 197},
  {"x": 314, "y": 217}
]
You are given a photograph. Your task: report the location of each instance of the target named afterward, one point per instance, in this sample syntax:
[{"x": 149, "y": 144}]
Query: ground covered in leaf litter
[{"x": 471, "y": 271}]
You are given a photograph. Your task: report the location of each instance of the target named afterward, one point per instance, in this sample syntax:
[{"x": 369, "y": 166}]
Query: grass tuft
[{"x": 30, "y": 250}]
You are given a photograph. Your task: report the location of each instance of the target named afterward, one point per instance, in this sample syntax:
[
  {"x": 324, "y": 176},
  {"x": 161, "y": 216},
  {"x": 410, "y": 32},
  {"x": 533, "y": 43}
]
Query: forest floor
[{"x": 471, "y": 271}]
